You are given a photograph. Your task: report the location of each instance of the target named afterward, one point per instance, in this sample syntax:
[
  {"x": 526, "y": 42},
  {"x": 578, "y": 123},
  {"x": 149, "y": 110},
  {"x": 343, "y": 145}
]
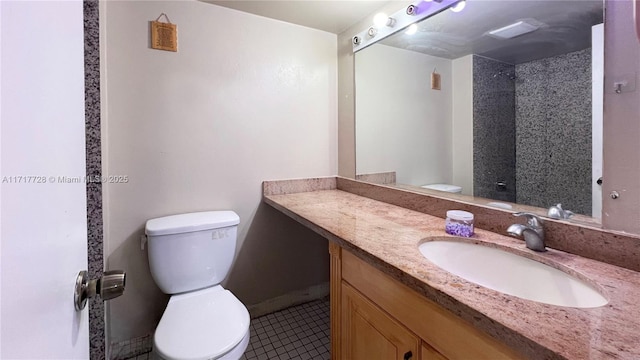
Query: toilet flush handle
[{"x": 109, "y": 286}]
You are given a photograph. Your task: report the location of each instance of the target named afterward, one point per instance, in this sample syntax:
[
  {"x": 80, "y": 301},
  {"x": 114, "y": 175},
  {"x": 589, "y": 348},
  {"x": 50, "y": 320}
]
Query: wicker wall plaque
[
  {"x": 164, "y": 36},
  {"x": 435, "y": 80}
]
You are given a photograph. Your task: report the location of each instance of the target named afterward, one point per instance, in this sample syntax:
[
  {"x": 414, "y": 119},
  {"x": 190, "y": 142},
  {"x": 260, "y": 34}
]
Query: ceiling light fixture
[
  {"x": 459, "y": 6},
  {"x": 513, "y": 30},
  {"x": 382, "y": 19},
  {"x": 387, "y": 25}
]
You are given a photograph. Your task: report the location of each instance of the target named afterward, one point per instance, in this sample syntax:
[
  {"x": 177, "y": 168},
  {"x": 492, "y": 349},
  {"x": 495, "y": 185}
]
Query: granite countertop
[{"x": 388, "y": 237}]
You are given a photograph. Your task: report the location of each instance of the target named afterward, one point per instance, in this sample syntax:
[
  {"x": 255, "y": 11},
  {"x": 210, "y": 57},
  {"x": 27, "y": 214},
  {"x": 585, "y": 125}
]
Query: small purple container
[{"x": 459, "y": 223}]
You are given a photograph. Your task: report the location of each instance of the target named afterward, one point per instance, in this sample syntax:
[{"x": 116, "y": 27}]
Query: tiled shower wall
[
  {"x": 534, "y": 132},
  {"x": 553, "y": 131},
  {"x": 94, "y": 171},
  {"x": 494, "y": 151}
]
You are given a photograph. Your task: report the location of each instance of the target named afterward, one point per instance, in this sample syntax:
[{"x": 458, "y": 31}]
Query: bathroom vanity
[
  {"x": 379, "y": 317},
  {"x": 388, "y": 301}
]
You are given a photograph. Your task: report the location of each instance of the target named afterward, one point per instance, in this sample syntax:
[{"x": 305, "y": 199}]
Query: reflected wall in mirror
[{"x": 515, "y": 118}]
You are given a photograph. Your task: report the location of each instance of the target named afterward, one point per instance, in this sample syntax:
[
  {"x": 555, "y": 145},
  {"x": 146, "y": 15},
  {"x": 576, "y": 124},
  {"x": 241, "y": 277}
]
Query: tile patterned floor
[
  {"x": 137, "y": 348},
  {"x": 299, "y": 332}
]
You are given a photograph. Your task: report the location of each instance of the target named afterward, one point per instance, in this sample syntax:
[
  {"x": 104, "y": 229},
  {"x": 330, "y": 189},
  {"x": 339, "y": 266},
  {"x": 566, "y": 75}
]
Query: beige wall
[
  {"x": 403, "y": 125},
  {"x": 439, "y": 147},
  {"x": 346, "y": 90},
  {"x": 621, "y": 164},
  {"x": 597, "y": 114},
  {"x": 462, "y": 119},
  {"x": 245, "y": 99}
]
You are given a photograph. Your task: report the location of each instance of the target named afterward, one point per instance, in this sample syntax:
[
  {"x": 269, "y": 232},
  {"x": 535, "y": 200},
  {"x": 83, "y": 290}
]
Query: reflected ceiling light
[
  {"x": 459, "y": 6},
  {"x": 382, "y": 19},
  {"x": 513, "y": 30},
  {"x": 387, "y": 25},
  {"x": 412, "y": 29}
]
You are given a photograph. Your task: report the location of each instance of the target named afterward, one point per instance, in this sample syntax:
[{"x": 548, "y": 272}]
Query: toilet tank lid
[{"x": 184, "y": 223}]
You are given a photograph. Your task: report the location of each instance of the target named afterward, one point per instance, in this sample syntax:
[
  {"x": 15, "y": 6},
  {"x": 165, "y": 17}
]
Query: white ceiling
[{"x": 334, "y": 16}]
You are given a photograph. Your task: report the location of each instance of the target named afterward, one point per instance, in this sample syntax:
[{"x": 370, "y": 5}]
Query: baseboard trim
[{"x": 287, "y": 300}]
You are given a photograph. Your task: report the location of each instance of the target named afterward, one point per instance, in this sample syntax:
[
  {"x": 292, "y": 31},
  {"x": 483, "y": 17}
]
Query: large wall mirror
[{"x": 502, "y": 101}]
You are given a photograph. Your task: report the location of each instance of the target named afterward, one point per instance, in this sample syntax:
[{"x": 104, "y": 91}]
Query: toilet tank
[{"x": 191, "y": 251}]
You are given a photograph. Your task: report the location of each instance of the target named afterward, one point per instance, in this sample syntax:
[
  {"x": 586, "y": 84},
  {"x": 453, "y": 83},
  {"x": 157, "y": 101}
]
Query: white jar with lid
[{"x": 459, "y": 223}]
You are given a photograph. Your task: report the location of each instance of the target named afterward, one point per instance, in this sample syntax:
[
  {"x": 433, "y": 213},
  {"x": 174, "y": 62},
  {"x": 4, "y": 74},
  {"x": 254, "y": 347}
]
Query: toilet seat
[
  {"x": 203, "y": 324},
  {"x": 443, "y": 187}
]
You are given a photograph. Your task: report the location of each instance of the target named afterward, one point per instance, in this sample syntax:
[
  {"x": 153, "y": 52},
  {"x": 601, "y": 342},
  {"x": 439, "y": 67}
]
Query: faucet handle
[
  {"x": 557, "y": 212},
  {"x": 532, "y": 219}
]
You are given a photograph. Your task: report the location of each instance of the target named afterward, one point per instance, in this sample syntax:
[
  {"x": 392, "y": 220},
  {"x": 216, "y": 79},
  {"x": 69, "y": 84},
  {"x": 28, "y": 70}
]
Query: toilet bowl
[
  {"x": 443, "y": 187},
  {"x": 189, "y": 255},
  {"x": 205, "y": 324}
]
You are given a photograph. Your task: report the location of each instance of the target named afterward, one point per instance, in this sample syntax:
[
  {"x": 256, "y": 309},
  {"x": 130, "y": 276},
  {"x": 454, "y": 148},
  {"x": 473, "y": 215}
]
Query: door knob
[{"x": 109, "y": 286}]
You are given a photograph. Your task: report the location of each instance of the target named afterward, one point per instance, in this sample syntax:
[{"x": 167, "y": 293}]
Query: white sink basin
[{"x": 511, "y": 274}]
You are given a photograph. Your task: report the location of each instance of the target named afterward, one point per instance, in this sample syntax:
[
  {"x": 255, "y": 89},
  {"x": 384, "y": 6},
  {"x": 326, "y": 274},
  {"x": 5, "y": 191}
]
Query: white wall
[
  {"x": 402, "y": 124},
  {"x": 462, "y": 123},
  {"x": 245, "y": 99},
  {"x": 597, "y": 111},
  {"x": 621, "y": 127},
  {"x": 346, "y": 89}
]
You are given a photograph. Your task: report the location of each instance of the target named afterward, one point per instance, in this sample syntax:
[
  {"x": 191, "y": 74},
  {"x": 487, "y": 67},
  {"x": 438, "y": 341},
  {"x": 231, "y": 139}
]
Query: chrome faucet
[
  {"x": 557, "y": 212},
  {"x": 532, "y": 232}
]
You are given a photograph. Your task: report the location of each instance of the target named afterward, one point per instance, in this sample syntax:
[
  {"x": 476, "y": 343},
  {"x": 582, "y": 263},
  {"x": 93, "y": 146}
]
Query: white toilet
[
  {"x": 189, "y": 255},
  {"x": 443, "y": 187}
]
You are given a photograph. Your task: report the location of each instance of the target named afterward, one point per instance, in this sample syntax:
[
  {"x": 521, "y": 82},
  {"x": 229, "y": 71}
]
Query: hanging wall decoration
[
  {"x": 164, "y": 35},
  {"x": 435, "y": 80}
]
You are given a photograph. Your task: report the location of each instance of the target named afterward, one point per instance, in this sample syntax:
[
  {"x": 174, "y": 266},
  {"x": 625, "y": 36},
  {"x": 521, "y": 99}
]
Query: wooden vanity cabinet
[
  {"x": 369, "y": 333},
  {"x": 429, "y": 353},
  {"x": 373, "y": 316}
]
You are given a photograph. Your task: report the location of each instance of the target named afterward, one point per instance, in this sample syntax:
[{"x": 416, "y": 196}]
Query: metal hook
[{"x": 165, "y": 16}]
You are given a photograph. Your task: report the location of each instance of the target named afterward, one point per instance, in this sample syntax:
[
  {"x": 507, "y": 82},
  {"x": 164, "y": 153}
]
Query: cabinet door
[
  {"x": 429, "y": 353},
  {"x": 368, "y": 333},
  {"x": 444, "y": 331}
]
